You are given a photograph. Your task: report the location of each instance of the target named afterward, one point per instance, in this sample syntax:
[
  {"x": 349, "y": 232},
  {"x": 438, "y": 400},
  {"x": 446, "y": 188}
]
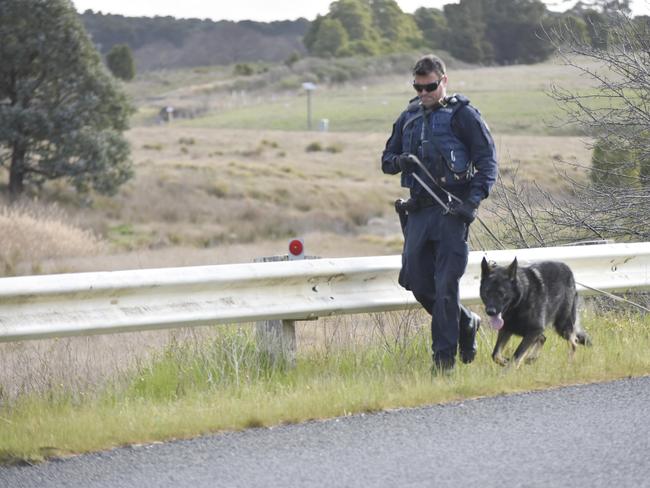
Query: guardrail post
[{"x": 277, "y": 338}]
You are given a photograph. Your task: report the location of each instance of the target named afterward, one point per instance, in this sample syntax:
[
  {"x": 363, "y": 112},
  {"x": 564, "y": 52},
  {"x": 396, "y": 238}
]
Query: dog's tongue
[{"x": 496, "y": 321}]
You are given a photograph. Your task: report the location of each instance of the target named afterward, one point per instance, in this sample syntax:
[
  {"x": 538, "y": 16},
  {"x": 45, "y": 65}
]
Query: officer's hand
[
  {"x": 465, "y": 211},
  {"x": 406, "y": 164},
  {"x": 400, "y": 205}
]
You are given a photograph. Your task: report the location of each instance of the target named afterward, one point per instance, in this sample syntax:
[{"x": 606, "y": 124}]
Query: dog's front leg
[
  {"x": 534, "y": 351},
  {"x": 502, "y": 339},
  {"x": 526, "y": 347}
]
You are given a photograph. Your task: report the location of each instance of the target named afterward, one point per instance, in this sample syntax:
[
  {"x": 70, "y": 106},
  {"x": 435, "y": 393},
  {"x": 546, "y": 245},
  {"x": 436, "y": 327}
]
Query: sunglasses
[{"x": 429, "y": 87}]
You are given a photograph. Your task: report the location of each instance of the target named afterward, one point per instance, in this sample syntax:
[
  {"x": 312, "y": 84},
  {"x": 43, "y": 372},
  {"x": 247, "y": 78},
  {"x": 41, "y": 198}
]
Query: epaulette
[{"x": 456, "y": 98}]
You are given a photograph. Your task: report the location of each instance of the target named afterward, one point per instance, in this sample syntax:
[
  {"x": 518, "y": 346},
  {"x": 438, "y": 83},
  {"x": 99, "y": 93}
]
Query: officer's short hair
[{"x": 428, "y": 64}]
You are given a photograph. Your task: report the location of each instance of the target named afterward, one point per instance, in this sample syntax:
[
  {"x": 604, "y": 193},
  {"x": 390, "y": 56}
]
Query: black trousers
[{"x": 433, "y": 262}]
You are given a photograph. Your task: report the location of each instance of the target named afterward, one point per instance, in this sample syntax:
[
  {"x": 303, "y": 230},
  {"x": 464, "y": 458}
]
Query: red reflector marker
[{"x": 296, "y": 247}]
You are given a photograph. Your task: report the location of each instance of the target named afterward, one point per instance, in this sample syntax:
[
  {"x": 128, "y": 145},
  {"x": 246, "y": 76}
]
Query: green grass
[
  {"x": 514, "y": 100},
  {"x": 516, "y": 111},
  {"x": 225, "y": 384}
]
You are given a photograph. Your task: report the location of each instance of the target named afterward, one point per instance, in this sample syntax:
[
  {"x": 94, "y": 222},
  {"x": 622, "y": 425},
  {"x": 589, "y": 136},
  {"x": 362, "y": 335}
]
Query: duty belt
[{"x": 423, "y": 201}]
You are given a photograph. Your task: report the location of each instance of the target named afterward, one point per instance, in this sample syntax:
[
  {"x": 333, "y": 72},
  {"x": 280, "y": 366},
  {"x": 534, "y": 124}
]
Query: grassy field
[
  {"x": 514, "y": 100},
  {"x": 235, "y": 183},
  {"x": 372, "y": 109}
]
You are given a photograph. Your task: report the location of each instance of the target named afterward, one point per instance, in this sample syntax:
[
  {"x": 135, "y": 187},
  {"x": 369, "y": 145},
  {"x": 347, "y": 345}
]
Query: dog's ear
[
  {"x": 485, "y": 267},
  {"x": 512, "y": 270}
]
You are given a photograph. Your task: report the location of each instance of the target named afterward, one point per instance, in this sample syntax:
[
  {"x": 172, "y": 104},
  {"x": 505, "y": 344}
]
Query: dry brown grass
[
  {"x": 540, "y": 159},
  {"x": 255, "y": 184},
  {"x": 33, "y": 233},
  {"x": 76, "y": 366},
  {"x": 213, "y": 196}
]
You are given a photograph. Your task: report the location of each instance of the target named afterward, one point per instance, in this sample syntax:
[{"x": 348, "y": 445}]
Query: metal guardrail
[{"x": 34, "y": 307}]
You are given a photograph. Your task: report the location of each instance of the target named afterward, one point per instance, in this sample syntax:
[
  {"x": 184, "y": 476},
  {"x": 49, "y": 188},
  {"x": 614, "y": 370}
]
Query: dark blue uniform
[{"x": 455, "y": 145}]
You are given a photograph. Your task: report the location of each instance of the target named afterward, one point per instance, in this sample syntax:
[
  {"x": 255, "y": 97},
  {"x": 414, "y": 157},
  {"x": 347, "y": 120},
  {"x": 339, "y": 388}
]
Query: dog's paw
[{"x": 500, "y": 360}]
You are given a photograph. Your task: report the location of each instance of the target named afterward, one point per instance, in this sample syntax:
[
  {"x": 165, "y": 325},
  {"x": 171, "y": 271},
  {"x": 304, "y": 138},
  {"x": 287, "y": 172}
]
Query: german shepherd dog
[{"x": 525, "y": 300}]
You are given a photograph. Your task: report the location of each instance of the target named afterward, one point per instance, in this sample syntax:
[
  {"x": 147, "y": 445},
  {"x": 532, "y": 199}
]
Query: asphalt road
[{"x": 591, "y": 436}]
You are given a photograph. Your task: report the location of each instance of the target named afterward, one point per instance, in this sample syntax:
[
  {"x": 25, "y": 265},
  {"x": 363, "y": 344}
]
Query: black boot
[
  {"x": 442, "y": 365},
  {"x": 467, "y": 337}
]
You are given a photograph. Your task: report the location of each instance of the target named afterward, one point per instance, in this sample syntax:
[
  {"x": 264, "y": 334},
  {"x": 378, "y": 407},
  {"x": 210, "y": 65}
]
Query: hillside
[{"x": 166, "y": 42}]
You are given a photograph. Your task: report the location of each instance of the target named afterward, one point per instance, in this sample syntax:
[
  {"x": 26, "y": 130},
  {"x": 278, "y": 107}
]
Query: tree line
[
  {"x": 107, "y": 30},
  {"x": 475, "y": 31},
  {"x": 167, "y": 42}
]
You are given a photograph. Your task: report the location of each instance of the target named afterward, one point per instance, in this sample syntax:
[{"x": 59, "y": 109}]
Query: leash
[
  {"x": 450, "y": 196},
  {"x": 615, "y": 297}
]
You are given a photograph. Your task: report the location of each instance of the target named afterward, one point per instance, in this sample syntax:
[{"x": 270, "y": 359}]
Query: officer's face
[{"x": 429, "y": 99}]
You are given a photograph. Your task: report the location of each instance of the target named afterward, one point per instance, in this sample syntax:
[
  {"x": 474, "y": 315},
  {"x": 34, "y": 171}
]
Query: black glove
[
  {"x": 406, "y": 164},
  {"x": 465, "y": 211},
  {"x": 400, "y": 205}
]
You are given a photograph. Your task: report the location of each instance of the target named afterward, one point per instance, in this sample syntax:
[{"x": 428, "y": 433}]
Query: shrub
[
  {"x": 152, "y": 147},
  {"x": 120, "y": 62},
  {"x": 614, "y": 164},
  {"x": 244, "y": 69},
  {"x": 314, "y": 147}
]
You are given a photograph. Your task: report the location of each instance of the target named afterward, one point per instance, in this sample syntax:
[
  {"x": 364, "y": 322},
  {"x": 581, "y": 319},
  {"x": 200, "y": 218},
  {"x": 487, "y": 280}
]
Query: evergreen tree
[
  {"x": 310, "y": 36},
  {"x": 397, "y": 30},
  {"x": 433, "y": 25},
  {"x": 356, "y": 18},
  {"x": 120, "y": 62},
  {"x": 514, "y": 30},
  {"x": 597, "y": 27},
  {"x": 614, "y": 164},
  {"x": 569, "y": 22},
  {"x": 371, "y": 27},
  {"x": 330, "y": 38},
  {"x": 61, "y": 114},
  {"x": 466, "y": 21}
]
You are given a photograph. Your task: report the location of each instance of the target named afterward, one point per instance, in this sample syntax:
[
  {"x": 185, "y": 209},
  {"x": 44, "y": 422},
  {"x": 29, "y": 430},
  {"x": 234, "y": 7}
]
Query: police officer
[{"x": 453, "y": 142}]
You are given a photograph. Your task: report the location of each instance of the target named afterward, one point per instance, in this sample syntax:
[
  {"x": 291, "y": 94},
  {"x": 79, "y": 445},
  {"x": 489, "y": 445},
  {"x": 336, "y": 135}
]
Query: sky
[{"x": 260, "y": 10}]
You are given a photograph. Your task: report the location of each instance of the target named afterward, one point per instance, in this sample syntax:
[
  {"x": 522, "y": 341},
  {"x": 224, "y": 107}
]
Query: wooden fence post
[{"x": 277, "y": 338}]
